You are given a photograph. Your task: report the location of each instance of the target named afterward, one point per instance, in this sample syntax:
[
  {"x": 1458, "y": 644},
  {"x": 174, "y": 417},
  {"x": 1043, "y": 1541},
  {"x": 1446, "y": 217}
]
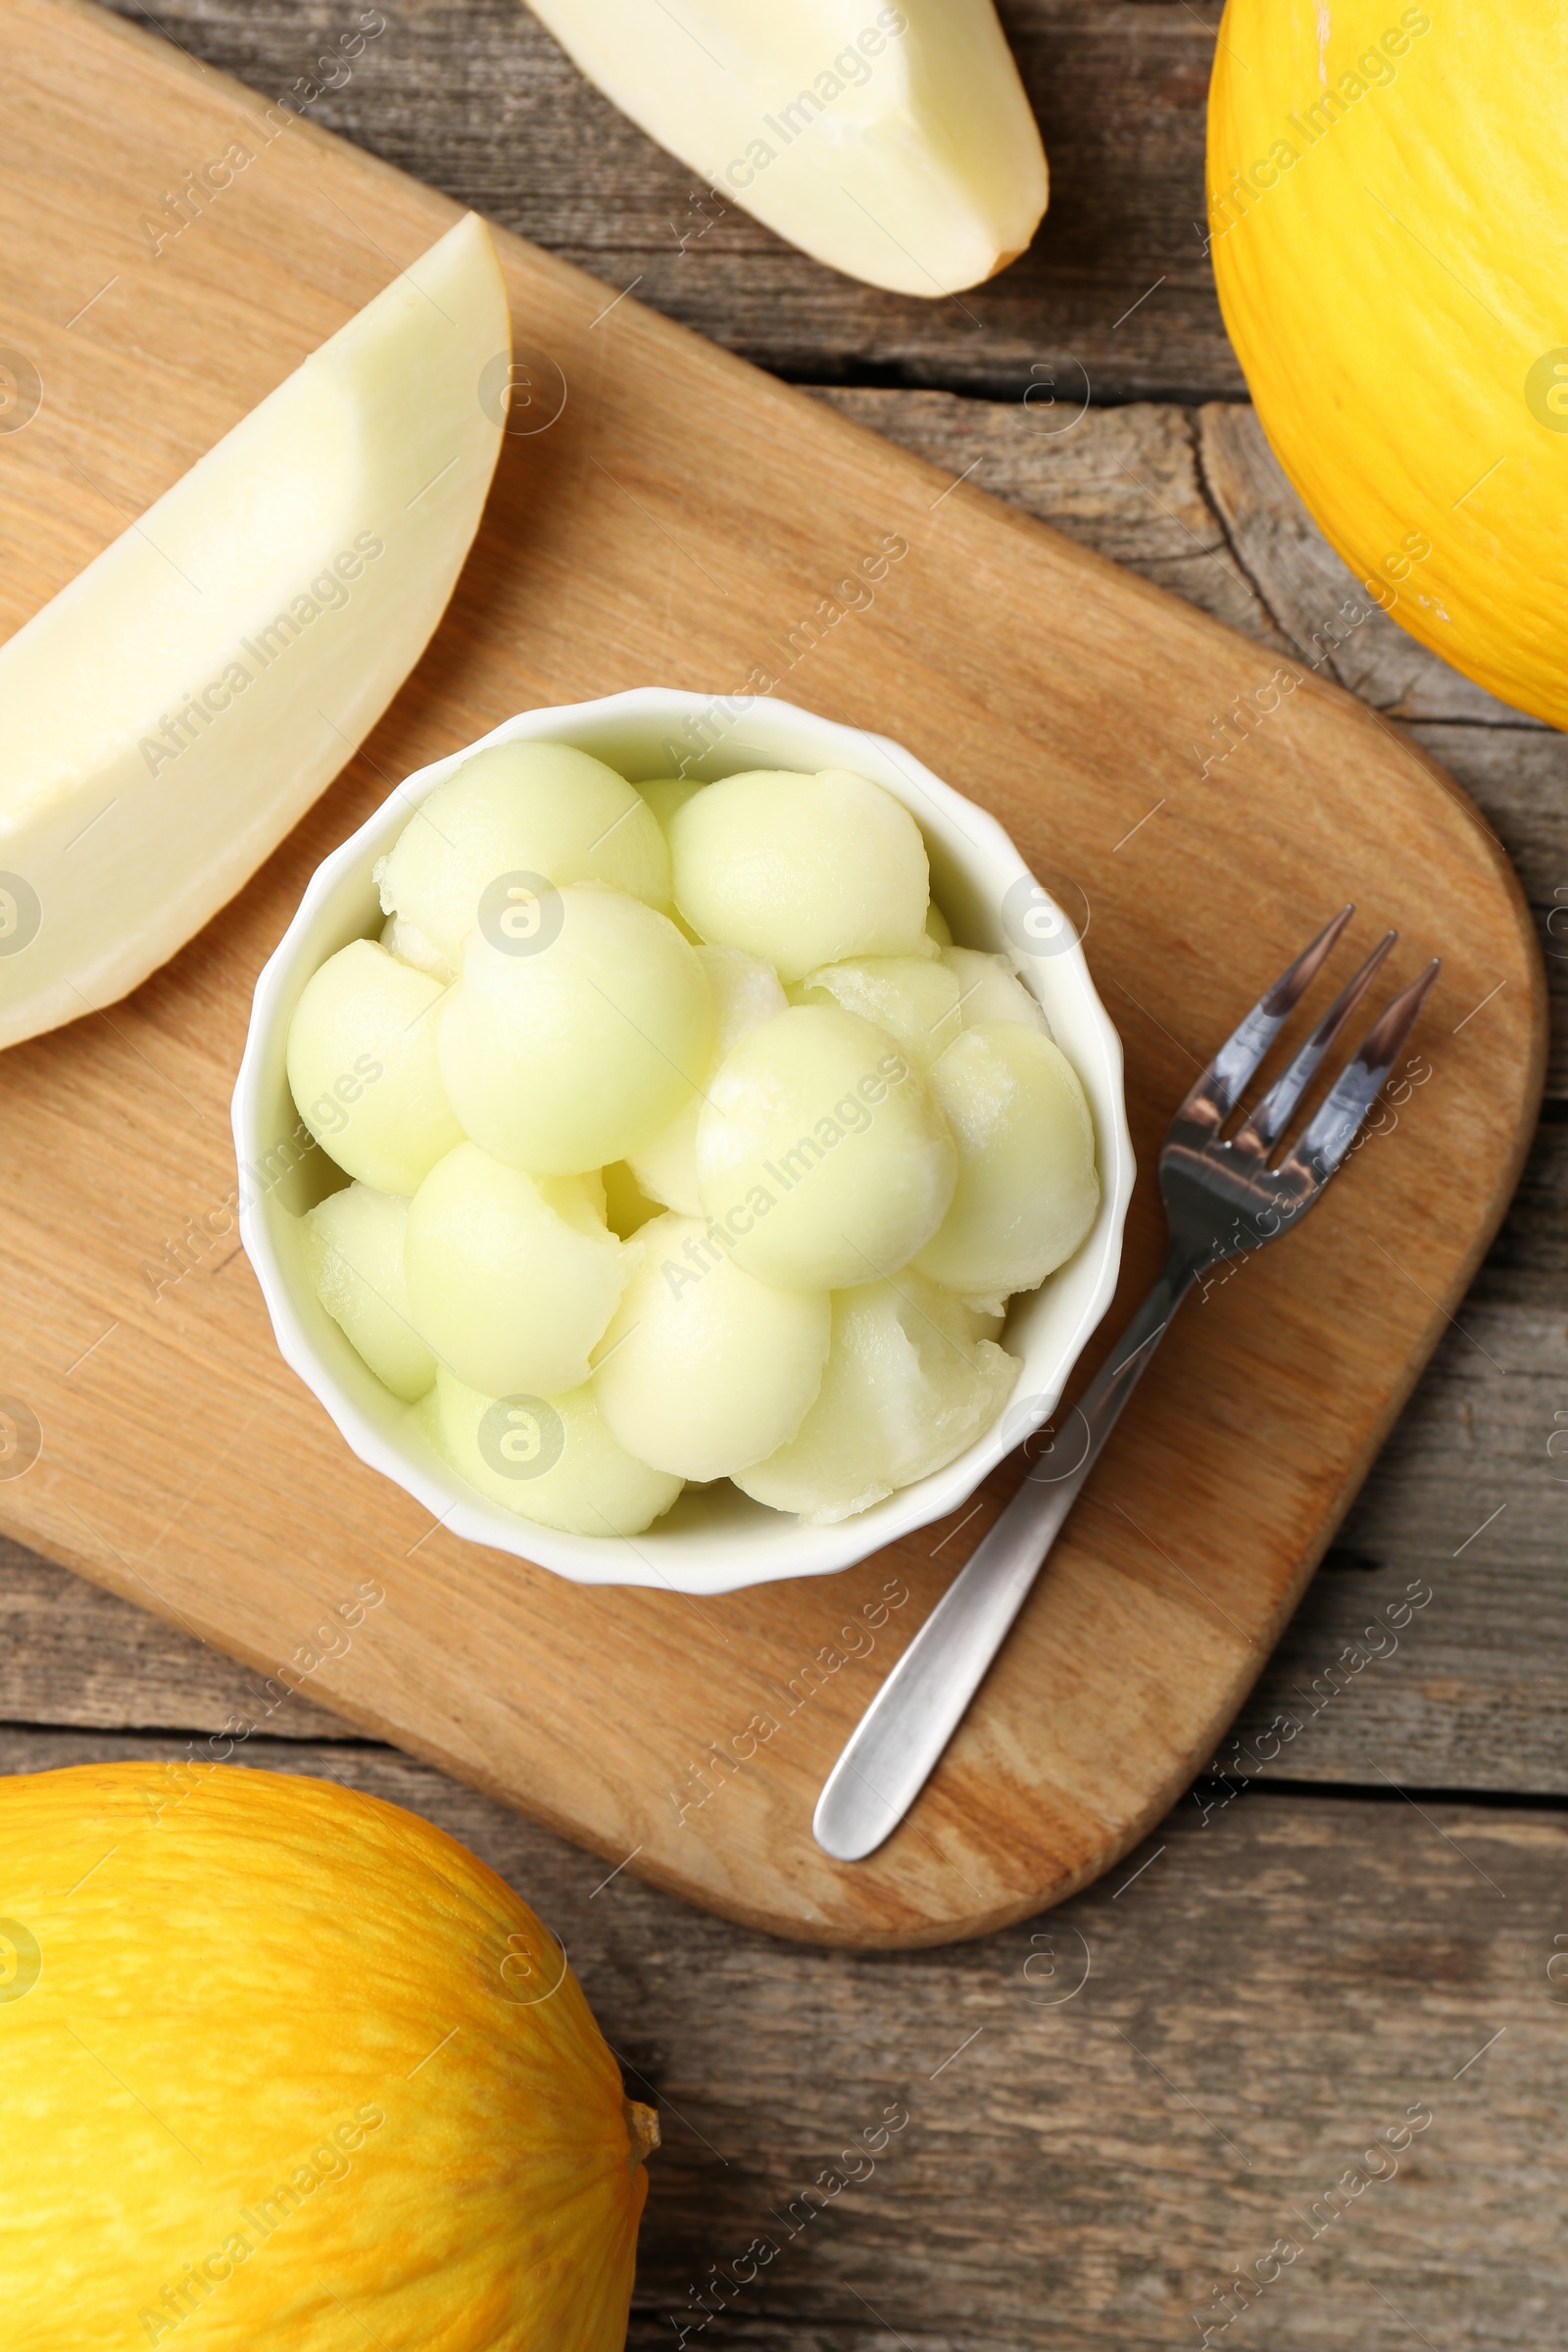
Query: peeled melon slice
[
  {"x": 520, "y": 814},
  {"x": 705, "y": 1369},
  {"x": 510, "y": 1280},
  {"x": 168, "y": 717},
  {"x": 895, "y": 144},
  {"x": 801, "y": 870},
  {"x": 362, "y": 1067},
  {"x": 354, "y": 1250},
  {"x": 907, "y": 1386},
  {"x": 548, "y": 1458},
  {"x": 822, "y": 1157},
  {"x": 1027, "y": 1190}
]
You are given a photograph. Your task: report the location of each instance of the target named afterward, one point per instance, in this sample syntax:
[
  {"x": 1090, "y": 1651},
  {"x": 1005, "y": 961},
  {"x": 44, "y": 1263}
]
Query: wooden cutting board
[{"x": 678, "y": 523}]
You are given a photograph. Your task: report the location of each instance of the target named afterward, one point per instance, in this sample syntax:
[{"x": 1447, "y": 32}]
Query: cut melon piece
[
  {"x": 908, "y": 1386},
  {"x": 176, "y": 709},
  {"x": 548, "y": 1458},
  {"x": 896, "y": 144},
  {"x": 354, "y": 1250},
  {"x": 705, "y": 1369}
]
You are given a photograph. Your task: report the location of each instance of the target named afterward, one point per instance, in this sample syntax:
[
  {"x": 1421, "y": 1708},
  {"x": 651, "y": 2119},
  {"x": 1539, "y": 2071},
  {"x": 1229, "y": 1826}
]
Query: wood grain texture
[
  {"x": 639, "y": 538},
  {"x": 476, "y": 97},
  {"x": 1105, "y": 2110}
]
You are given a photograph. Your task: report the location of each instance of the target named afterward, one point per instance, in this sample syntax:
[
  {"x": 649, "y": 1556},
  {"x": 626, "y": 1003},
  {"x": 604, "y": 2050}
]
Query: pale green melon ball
[
  {"x": 937, "y": 926},
  {"x": 548, "y": 1458},
  {"x": 573, "y": 1053},
  {"x": 530, "y": 809},
  {"x": 745, "y": 993},
  {"x": 801, "y": 870},
  {"x": 511, "y": 1278},
  {"x": 913, "y": 999},
  {"x": 1027, "y": 1191},
  {"x": 907, "y": 1386},
  {"x": 705, "y": 1369},
  {"x": 821, "y": 1155},
  {"x": 363, "y": 1067},
  {"x": 989, "y": 990},
  {"x": 665, "y": 794},
  {"x": 408, "y": 943},
  {"x": 354, "y": 1250}
]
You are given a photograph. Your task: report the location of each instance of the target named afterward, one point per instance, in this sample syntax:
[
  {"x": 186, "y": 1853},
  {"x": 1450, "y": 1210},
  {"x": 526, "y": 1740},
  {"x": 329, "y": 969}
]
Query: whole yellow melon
[
  {"x": 1388, "y": 198},
  {"x": 284, "y": 2069}
]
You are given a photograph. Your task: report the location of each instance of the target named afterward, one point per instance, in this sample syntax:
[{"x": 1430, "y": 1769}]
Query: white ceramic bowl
[{"x": 715, "y": 1538}]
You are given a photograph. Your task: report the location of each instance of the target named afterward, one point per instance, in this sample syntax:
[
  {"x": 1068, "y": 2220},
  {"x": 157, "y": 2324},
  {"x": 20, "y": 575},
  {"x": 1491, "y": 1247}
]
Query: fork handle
[{"x": 899, "y": 1740}]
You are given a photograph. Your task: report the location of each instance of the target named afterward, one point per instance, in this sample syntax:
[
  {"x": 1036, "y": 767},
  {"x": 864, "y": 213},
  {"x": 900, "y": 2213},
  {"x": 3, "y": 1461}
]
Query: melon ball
[
  {"x": 907, "y": 1386},
  {"x": 937, "y": 926},
  {"x": 548, "y": 1458},
  {"x": 705, "y": 1369},
  {"x": 745, "y": 993},
  {"x": 665, "y": 794},
  {"x": 1027, "y": 1191},
  {"x": 363, "y": 1067},
  {"x": 408, "y": 943},
  {"x": 821, "y": 1155},
  {"x": 510, "y": 1277},
  {"x": 353, "y": 1252},
  {"x": 522, "y": 812},
  {"x": 801, "y": 870},
  {"x": 989, "y": 990},
  {"x": 570, "y": 1051},
  {"x": 913, "y": 999}
]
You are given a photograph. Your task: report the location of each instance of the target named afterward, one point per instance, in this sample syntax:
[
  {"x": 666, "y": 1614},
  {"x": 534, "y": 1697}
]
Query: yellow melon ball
[
  {"x": 363, "y": 1067},
  {"x": 1027, "y": 1191},
  {"x": 989, "y": 990},
  {"x": 908, "y": 1386},
  {"x": 548, "y": 1458},
  {"x": 937, "y": 926},
  {"x": 665, "y": 794},
  {"x": 821, "y": 1155},
  {"x": 801, "y": 870},
  {"x": 513, "y": 818},
  {"x": 510, "y": 1277},
  {"x": 569, "y": 1049},
  {"x": 408, "y": 943},
  {"x": 745, "y": 993},
  {"x": 705, "y": 1369},
  {"x": 354, "y": 1252},
  {"x": 913, "y": 998}
]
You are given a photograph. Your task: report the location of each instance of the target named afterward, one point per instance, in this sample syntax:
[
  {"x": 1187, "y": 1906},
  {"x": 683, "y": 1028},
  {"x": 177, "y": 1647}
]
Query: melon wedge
[
  {"x": 176, "y": 709},
  {"x": 894, "y": 143}
]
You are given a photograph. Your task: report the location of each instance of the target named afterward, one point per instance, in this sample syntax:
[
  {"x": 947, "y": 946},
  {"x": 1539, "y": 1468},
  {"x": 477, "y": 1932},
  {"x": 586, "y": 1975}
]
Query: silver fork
[{"x": 1222, "y": 1198}]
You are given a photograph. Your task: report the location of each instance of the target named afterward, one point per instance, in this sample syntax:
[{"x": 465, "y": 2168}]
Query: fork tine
[
  {"x": 1266, "y": 1125},
  {"x": 1334, "y": 1129},
  {"x": 1214, "y": 1096}
]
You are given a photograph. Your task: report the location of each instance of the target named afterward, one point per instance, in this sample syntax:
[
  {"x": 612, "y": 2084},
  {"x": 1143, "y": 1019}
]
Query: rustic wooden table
[{"x": 1362, "y": 1916}]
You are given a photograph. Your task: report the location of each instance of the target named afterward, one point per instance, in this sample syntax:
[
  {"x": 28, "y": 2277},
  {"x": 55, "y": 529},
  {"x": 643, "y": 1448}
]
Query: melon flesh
[
  {"x": 176, "y": 709},
  {"x": 1027, "y": 1191},
  {"x": 705, "y": 1369},
  {"x": 909, "y": 1383},
  {"x": 363, "y": 1070},
  {"x": 510, "y": 1277},
  {"x": 354, "y": 1250},
  {"x": 548, "y": 1458}
]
